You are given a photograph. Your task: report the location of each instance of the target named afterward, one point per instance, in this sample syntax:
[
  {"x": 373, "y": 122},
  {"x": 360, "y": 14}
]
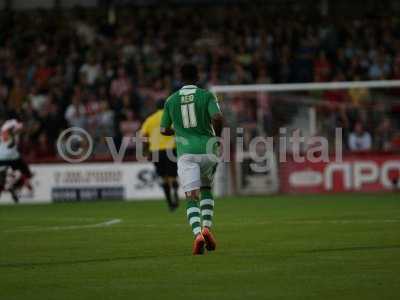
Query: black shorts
[
  {"x": 164, "y": 166},
  {"x": 3, "y": 179},
  {"x": 17, "y": 164}
]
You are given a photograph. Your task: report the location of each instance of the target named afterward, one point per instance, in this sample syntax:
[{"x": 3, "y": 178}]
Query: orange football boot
[
  {"x": 211, "y": 244},
  {"x": 198, "y": 245}
]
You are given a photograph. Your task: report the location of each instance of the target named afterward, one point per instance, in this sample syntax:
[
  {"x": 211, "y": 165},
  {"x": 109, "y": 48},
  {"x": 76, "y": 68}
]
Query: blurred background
[{"x": 102, "y": 65}]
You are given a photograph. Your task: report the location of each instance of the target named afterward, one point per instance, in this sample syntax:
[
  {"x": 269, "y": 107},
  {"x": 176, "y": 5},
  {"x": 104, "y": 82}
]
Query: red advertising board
[{"x": 365, "y": 173}]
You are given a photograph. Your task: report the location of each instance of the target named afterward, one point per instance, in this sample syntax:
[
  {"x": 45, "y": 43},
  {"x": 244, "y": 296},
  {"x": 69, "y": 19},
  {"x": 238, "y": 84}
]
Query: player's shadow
[{"x": 355, "y": 248}]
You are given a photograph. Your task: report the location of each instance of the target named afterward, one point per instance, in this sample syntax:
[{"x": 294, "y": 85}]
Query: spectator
[
  {"x": 17, "y": 96},
  {"x": 129, "y": 127},
  {"x": 359, "y": 139},
  {"x": 36, "y": 99},
  {"x": 358, "y": 96},
  {"x": 105, "y": 120},
  {"x": 91, "y": 71},
  {"x": 384, "y": 136},
  {"x": 322, "y": 68},
  {"x": 43, "y": 74},
  {"x": 75, "y": 113},
  {"x": 121, "y": 85},
  {"x": 104, "y": 128}
]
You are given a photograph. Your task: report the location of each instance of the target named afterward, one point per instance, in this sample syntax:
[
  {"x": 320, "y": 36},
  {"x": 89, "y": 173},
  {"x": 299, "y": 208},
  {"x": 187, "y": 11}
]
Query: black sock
[
  {"x": 18, "y": 184},
  {"x": 167, "y": 192},
  {"x": 14, "y": 196},
  {"x": 175, "y": 186}
]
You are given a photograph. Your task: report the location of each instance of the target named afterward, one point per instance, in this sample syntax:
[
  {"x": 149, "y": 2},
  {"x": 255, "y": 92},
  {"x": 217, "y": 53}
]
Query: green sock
[
  {"x": 193, "y": 215},
  {"x": 207, "y": 207}
]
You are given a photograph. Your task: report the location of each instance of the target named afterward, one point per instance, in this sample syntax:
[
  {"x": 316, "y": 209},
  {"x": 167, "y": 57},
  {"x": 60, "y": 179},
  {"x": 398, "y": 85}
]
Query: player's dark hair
[{"x": 189, "y": 73}]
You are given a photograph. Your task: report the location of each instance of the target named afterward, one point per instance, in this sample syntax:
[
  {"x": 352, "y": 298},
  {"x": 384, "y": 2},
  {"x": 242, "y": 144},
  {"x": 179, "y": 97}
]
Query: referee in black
[{"x": 158, "y": 146}]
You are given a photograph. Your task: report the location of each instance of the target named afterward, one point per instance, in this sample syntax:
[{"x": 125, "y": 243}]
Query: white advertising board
[{"x": 90, "y": 181}]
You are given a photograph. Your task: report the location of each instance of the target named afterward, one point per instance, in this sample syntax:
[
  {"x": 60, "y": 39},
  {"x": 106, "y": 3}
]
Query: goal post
[
  {"x": 314, "y": 108},
  {"x": 287, "y": 87}
]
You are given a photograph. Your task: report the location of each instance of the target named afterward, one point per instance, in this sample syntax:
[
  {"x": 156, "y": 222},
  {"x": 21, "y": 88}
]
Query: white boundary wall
[
  {"x": 93, "y": 181},
  {"x": 90, "y": 181}
]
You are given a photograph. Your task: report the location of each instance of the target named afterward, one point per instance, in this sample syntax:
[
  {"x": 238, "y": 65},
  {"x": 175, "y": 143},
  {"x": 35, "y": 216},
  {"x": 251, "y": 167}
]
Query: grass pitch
[{"x": 278, "y": 247}]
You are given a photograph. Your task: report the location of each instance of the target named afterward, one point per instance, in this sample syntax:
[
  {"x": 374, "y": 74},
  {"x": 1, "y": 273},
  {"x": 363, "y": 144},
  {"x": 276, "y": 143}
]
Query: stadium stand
[{"x": 104, "y": 73}]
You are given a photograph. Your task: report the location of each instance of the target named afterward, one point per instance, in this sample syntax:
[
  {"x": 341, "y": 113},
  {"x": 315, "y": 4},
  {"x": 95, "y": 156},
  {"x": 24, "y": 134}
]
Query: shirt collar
[{"x": 189, "y": 87}]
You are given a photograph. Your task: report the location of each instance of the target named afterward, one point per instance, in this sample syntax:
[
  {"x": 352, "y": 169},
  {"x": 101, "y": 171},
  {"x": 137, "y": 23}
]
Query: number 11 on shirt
[{"x": 188, "y": 115}]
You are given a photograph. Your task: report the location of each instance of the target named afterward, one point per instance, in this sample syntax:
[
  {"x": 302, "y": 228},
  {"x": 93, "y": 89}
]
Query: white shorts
[
  {"x": 196, "y": 171},
  {"x": 8, "y": 153}
]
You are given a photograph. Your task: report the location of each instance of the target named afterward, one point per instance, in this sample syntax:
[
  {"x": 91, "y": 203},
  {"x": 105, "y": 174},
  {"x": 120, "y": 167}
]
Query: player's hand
[
  {"x": 149, "y": 156},
  {"x": 219, "y": 148}
]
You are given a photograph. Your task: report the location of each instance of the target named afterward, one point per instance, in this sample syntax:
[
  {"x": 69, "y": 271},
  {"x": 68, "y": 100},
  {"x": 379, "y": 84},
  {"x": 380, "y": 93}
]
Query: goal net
[{"x": 360, "y": 118}]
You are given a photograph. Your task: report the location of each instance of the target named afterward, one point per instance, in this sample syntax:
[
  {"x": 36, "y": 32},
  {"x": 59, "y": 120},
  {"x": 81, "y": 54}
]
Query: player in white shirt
[{"x": 11, "y": 158}]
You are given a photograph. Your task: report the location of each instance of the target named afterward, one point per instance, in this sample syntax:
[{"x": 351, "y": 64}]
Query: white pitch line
[{"x": 70, "y": 227}]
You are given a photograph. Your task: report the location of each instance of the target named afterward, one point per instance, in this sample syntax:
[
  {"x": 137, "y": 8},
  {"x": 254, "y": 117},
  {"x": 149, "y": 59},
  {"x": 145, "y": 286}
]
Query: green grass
[{"x": 343, "y": 246}]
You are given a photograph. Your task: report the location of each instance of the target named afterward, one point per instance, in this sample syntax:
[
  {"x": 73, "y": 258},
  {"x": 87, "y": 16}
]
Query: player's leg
[
  {"x": 14, "y": 193},
  {"x": 163, "y": 175},
  {"x": 166, "y": 186},
  {"x": 26, "y": 174},
  {"x": 171, "y": 171},
  {"x": 208, "y": 168},
  {"x": 193, "y": 216},
  {"x": 173, "y": 179},
  {"x": 189, "y": 174},
  {"x": 3, "y": 177},
  {"x": 206, "y": 206},
  {"x": 175, "y": 187},
  {"x": 207, "y": 213}
]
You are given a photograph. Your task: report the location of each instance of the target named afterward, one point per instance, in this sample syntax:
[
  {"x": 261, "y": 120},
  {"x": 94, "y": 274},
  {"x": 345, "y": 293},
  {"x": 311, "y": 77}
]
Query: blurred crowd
[{"x": 105, "y": 70}]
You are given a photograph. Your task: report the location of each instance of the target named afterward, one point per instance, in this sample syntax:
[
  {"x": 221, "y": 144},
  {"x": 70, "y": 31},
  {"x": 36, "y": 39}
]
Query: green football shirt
[{"x": 189, "y": 111}]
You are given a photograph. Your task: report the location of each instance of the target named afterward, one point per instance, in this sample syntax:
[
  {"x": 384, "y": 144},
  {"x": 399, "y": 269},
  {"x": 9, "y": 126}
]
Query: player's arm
[
  {"x": 17, "y": 129},
  {"x": 217, "y": 119},
  {"x": 166, "y": 122},
  {"x": 10, "y": 132}
]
